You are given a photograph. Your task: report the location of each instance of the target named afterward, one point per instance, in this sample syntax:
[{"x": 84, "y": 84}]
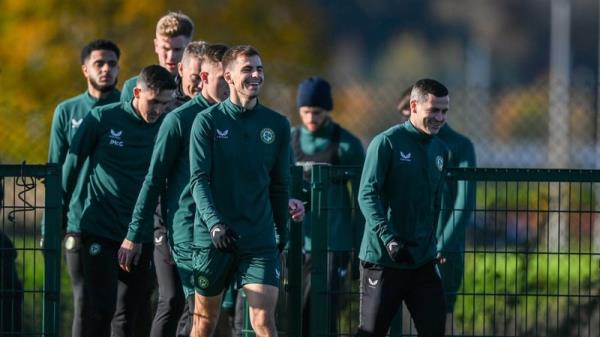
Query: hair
[
  {"x": 234, "y": 52},
  {"x": 175, "y": 24},
  {"x": 194, "y": 49},
  {"x": 216, "y": 52},
  {"x": 98, "y": 45},
  {"x": 427, "y": 86},
  {"x": 404, "y": 101},
  {"x": 156, "y": 78}
]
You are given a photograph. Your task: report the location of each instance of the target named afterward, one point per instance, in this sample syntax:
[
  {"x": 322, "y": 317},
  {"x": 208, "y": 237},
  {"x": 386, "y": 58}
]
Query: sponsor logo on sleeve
[{"x": 75, "y": 123}]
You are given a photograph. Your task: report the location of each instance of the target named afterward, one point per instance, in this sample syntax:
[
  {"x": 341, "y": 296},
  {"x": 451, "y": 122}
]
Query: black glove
[
  {"x": 399, "y": 252},
  {"x": 224, "y": 238}
]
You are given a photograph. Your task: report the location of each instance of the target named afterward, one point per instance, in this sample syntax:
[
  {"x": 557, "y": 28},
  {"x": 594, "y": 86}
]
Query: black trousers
[
  {"x": 105, "y": 285},
  {"x": 383, "y": 289},
  {"x": 171, "y": 300},
  {"x": 11, "y": 296},
  {"x": 73, "y": 256}
]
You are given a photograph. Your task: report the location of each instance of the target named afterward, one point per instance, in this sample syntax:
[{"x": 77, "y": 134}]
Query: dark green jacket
[
  {"x": 345, "y": 227},
  {"x": 127, "y": 92},
  {"x": 68, "y": 115},
  {"x": 458, "y": 199},
  {"x": 239, "y": 165},
  {"x": 170, "y": 167},
  {"x": 119, "y": 145},
  {"x": 400, "y": 192}
]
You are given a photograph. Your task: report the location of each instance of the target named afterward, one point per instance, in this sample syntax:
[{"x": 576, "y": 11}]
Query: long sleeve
[
  {"x": 59, "y": 142},
  {"x": 279, "y": 186},
  {"x": 357, "y": 158},
  {"x": 201, "y": 158},
  {"x": 370, "y": 199},
  {"x": 463, "y": 201},
  {"x": 164, "y": 154}
]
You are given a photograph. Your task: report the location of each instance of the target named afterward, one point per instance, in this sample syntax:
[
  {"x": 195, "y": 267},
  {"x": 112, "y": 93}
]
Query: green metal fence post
[
  {"x": 318, "y": 298},
  {"x": 294, "y": 263},
  {"x": 53, "y": 215}
]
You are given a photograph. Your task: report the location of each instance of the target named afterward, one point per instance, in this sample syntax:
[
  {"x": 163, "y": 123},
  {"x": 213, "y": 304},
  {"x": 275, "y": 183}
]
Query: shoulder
[
  {"x": 130, "y": 81},
  {"x": 70, "y": 103}
]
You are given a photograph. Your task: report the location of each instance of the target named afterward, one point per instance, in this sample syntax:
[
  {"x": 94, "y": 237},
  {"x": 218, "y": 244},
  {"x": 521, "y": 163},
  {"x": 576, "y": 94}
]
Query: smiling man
[
  {"x": 239, "y": 165},
  {"x": 399, "y": 196},
  {"x": 117, "y": 139}
]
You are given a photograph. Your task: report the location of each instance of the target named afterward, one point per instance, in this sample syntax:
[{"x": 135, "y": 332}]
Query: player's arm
[
  {"x": 377, "y": 163},
  {"x": 356, "y": 157},
  {"x": 464, "y": 201},
  {"x": 201, "y": 159},
  {"x": 279, "y": 187},
  {"x": 59, "y": 142},
  {"x": 82, "y": 145},
  {"x": 166, "y": 151}
]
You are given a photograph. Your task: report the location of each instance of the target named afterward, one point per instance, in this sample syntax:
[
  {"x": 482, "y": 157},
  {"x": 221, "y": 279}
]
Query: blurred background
[{"x": 522, "y": 74}]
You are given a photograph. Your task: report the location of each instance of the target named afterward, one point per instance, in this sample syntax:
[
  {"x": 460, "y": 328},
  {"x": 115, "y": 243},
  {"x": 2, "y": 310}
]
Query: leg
[
  {"x": 306, "y": 295},
  {"x": 425, "y": 301},
  {"x": 182, "y": 255},
  {"x": 184, "y": 327},
  {"x": 170, "y": 294},
  {"x": 238, "y": 316},
  {"x": 11, "y": 302},
  {"x": 380, "y": 298},
  {"x": 262, "y": 300},
  {"x": 100, "y": 278},
  {"x": 206, "y": 315},
  {"x": 132, "y": 288},
  {"x": 73, "y": 255}
]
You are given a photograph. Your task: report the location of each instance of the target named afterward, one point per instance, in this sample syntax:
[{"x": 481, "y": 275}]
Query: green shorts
[
  {"x": 182, "y": 254},
  {"x": 214, "y": 270}
]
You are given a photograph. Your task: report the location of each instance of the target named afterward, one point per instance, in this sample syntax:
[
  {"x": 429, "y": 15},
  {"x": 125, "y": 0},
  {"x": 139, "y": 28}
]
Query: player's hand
[
  {"x": 130, "y": 252},
  {"x": 224, "y": 238},
  {"x": 398, "y": 250},
  {"x": 296, "y": 209},
  {"x": 440, "y": 259}
]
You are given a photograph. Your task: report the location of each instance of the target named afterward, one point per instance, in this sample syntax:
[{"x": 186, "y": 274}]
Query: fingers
[{"x": 124, "y": 259}]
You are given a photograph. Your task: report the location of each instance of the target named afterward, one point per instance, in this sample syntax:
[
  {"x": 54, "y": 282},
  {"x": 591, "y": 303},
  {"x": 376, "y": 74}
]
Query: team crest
[
  {"x": 267, "y": 136},
  {"x": 439, "y": 162},
  {"x": 202, "y": 282},
  {"x": 95, "y": 249}
]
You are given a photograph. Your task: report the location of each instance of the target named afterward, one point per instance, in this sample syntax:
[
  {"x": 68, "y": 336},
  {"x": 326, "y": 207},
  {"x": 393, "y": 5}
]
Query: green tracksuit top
[
  {"x": 119, "y": 145},
  {"x": 127, "y": 92},
  {"x": 240, "y": 174},
  {"x": 399, "y": 195},
  {"x": 458, "y": 198},
  {"x": 68, "y": 115},
  {"x": 170, "y": 168},
  {"x": 345, "y": 228}
]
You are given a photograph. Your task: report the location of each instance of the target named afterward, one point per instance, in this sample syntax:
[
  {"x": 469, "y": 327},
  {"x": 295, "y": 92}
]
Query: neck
[
  {"x": 207, "y": 97},
  {"x": 243, "y": 101},
  {"x": 97, "y": 94}
]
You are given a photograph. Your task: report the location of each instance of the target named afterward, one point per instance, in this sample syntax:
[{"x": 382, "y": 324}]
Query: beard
[{"x": 103, "y": 88}]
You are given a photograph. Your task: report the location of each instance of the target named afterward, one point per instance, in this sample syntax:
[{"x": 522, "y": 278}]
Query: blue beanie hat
[{"x": 315, "y": 91}]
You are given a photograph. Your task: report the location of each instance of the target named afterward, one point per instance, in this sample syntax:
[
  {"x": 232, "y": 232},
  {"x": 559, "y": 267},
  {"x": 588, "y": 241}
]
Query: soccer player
[
  {"x": 239, "y": 164},
  {"x": 173, "y": 32},
  {"x": 118, "y": 140},
  {"x": 320, "y": 140},
  {"x": 399, "y": 196},
  {"x": 170, "y": 162},
  {"x": 100, "y": 67},
  {"x": 458, "y": 202}
]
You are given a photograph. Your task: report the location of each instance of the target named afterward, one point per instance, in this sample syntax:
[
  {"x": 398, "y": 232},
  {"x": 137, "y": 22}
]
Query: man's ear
[
  {"x": 84, "y": 70},
  {"x": 204, "y": 76},
  {"x": 136, "y": 92},
  {"x": 180, "y": 69},
  {"x": 413, "y": 106},
  {"x": 227, "y": 77}
]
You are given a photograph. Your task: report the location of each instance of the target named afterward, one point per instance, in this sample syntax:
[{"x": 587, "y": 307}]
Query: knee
[{"x": 262, "y": 321}]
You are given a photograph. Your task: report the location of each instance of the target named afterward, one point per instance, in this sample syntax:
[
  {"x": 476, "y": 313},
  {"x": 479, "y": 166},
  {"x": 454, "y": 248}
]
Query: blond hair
[{"x": 175, "y": 24}]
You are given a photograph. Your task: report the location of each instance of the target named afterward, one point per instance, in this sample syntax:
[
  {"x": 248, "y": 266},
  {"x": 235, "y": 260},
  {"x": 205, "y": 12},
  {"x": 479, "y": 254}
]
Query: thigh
[
  {"x": 73, "y": 257},
  {"x": 380, "y": 297},
  {"x": 213, "y": 271},
  {"x": 182, "y": 254},
  {"x": 262, "y": 297},
  {"x": 425, "y": 301},
  {"x": 263, "y": 267}
]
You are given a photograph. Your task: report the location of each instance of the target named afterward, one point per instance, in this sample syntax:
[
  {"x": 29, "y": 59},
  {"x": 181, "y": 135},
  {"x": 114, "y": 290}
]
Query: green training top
[
  {"x": 345, "y": 227},
  {"x": 127, "y": 92},
  {"x": 68, "y": 115},
  {"x": 239, "y": 165},
  {"x": 400, "y": 192},
  {"x": 458, "y": 198},
  {"x": 170, "y": 163},
  {"x": 119, "y": 145}
]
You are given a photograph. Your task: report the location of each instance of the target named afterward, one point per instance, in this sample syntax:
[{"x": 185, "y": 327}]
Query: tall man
[
  {"x": 320, "y": 140},
  {"x": 99, "y": 64},
  {"x": 173, "y": 32},
  {"x": 458, "y": 203},
  {"x": 170, "y": 162},
  {"x": 399, "y": 196},
  {"x": 239, "y": 163},
  {"x": 118, "y": 140}
]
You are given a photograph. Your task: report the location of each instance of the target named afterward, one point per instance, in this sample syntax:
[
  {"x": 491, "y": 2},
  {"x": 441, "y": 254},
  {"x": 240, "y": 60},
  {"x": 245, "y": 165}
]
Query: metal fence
[
  {"x": 531, "y": 262},
  {"x": 29, "y": 275}
]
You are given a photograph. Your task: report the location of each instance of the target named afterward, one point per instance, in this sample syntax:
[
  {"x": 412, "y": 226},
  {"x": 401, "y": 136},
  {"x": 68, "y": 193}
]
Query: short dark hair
[
  {"x": 99, "y": 44},
  {"x": 427, "y": 86},
  {"x": 234, "y": 52},
  {"x": 216, "y": 51},
  {"x": 155, "y": 77}
]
